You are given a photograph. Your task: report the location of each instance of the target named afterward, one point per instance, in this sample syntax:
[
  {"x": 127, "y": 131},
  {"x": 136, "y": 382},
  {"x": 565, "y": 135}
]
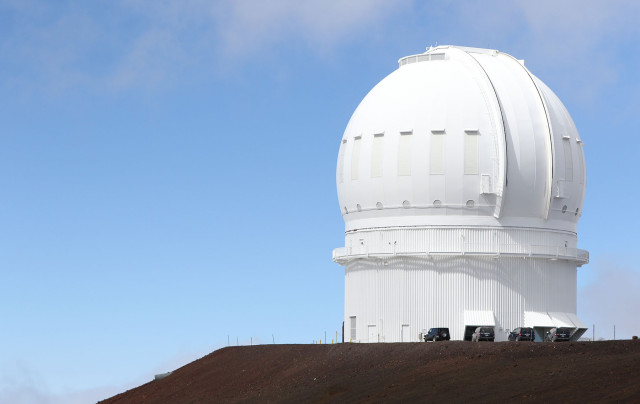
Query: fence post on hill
[
  {"x": 593, "y": 338},
  {"x": 325, "y": 337},
  {"x": 614, "y": 332}
]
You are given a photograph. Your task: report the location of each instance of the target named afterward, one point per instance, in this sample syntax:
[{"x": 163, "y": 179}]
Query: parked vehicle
[
  {"x": 483, "y": 334},
  {"x": 437, "y": 334},
  {"x": 558, "y": 334},
  {"x": 522, "y": 334}
]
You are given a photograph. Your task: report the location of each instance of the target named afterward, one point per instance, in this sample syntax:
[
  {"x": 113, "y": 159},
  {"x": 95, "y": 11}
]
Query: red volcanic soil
[{"x": 405, "y": 372}]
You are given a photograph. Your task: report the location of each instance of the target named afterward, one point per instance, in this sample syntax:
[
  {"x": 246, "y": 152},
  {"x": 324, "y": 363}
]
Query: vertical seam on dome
[
  {"x": 550, "y": 177},
  {"x": 499, "y": 205}
]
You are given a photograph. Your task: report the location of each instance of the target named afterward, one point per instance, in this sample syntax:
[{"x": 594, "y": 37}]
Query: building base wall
[{"x": 397, "y": 299}]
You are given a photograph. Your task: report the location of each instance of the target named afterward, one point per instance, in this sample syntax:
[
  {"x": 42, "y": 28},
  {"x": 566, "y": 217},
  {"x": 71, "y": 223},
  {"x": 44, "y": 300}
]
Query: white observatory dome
[
  {"x": 461, "y": 136},
  {"x": 461, "y": 179}
]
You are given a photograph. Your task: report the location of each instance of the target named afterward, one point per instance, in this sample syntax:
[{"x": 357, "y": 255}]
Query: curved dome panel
[
  {"x": 569, "y": 171},
  {"x": 460, "y": 136}
]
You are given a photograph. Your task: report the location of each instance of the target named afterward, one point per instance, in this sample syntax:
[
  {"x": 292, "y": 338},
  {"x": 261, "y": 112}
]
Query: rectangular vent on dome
[
  {"x": 404, "y": 154},
  {"x": 485, "y": 184},
  {"x": 436, "y": 153},
  {"x": 355, "y": 157},
  {"x": 436, "y": 56},
  {"x": 568, "y": 160},
  {"x": 376, "y": 155},
  {"x": 560, "y": 189},
  {"x": 471, "y": 152},
  {"x": 580, "y": 165}
]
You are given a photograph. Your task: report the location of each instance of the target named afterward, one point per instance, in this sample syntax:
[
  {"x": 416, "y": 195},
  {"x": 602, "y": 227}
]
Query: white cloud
[
  {"x": 149, "y": 43},
  {"x": 246, "y": 25},
  {"x": 21, "y": 384},
  {"x": 145, "y": 43},
  {"x": 611, "y": 298},
  {"x": 579, "y": 43}
]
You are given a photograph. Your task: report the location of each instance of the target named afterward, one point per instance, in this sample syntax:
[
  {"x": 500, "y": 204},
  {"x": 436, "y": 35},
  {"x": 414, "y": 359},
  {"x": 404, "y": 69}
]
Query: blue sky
[{"x": 168, "y": 169}]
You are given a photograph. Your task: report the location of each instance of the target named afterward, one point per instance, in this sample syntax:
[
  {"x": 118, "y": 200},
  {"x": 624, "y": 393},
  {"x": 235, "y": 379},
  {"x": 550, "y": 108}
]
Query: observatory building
[{"x": 461, "y": 179}]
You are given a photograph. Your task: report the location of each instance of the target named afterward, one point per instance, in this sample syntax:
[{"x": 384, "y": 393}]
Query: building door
[
  {"x": 404, "y": 337},
  {"x": 373, "y": 335},
  {"x": 352, "y": 328}
]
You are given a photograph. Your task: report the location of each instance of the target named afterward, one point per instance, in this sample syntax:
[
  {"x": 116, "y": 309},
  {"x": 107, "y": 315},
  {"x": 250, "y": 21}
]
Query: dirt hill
[{"x": 409, "y": 372}]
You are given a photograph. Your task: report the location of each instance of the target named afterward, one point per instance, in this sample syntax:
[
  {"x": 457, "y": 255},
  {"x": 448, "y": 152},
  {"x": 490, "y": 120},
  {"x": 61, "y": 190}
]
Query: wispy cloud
[
  {"x": 144, "y": 43},
  {"x": 21, "y": 384},
  {"x": 582, "y": 43},
  {"x": 611, "y": 298},
  {"x": 246, "y": 25}
]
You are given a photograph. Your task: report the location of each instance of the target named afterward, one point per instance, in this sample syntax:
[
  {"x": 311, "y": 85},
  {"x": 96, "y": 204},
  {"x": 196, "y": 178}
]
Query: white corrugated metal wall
[{"x": 434, "y": 292}]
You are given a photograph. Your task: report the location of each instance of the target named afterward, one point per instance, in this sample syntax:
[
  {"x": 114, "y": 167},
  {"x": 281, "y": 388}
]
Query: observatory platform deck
[{"x": 403, "y": 372}]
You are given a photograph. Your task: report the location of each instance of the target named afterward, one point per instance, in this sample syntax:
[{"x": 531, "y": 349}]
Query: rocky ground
[{"x": 607, "y": 371}]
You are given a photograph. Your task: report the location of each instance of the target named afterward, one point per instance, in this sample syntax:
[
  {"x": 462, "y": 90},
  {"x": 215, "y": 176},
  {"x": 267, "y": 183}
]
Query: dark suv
[
  {"x": 522, "y": 334},
  {"x": 558, "y": 334},
  {"x": 483, "y": 334},
  {"x": 437, "y": 334}
]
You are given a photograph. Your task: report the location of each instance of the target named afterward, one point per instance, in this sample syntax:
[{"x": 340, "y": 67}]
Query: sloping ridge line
[{"x": 402, "y": 372}]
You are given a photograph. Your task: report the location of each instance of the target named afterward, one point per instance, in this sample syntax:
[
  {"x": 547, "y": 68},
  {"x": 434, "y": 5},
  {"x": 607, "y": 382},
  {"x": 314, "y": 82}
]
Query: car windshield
[
  {"x": 486, "y": 330},
  {"x": 563, "y": 331}
]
